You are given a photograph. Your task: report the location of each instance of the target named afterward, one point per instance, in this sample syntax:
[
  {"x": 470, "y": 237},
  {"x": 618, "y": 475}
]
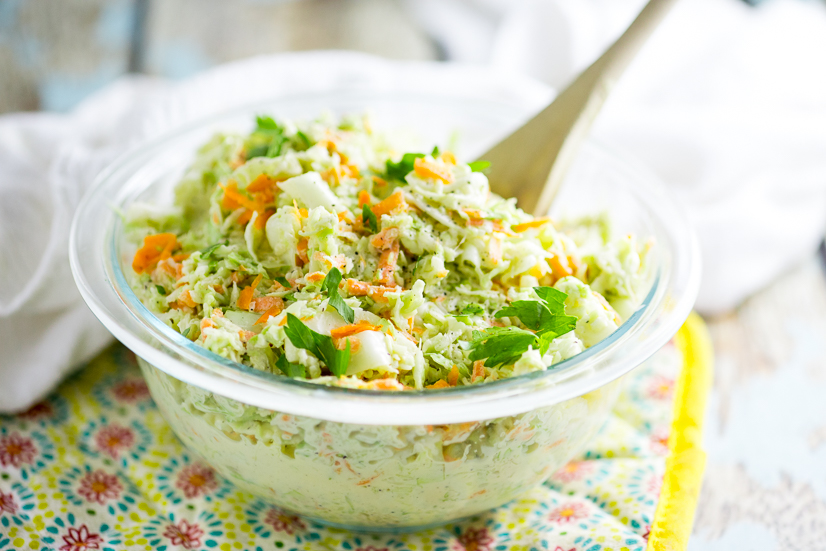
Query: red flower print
[
  {"x": 660, "y": 388},
  {"x": 80, "y": 539},
  {"x": 7, "y": 504},
  {"x": 99, "y": 487},
  {"x": 184, "y": 534},
  {"x": 283, "y": 522},
  {"x": 16, "y": 450},
  {"x": 112, "y": 439},
  {"x": 574, "y": 470},
  {"x": 659, "y": 441},
  {"x": 569, "y": 512},
  {"x": 131, "y": 391},
  {"x": 647, "y": 532},
  {"x": 195, "y": 480},
  {"x": 41, "y": 409},
  {"x": 654, "y": 484},
  {"x": 558, "y": 548},
  {"x": 474, "y": 539}
]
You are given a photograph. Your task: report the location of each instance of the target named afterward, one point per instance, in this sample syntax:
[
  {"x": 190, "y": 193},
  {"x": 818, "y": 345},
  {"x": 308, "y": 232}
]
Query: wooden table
[{"x": 765, "y": 483}]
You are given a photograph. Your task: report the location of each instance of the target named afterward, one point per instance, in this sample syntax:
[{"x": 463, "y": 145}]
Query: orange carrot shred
[
  {"x": 394, "y": 202},
  {"x": 245, "y": 296},
  {"x": 155, "y": 248},
  {"x": 353, "y": 329},
  {"x": 535, "y": 223},
  {"x": 364, "y": 198},
  {"x": 427, "y": 169}
]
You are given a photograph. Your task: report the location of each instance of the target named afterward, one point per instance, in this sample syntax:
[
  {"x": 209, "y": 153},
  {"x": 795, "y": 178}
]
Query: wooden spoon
[{"x": 531, "y": 163}]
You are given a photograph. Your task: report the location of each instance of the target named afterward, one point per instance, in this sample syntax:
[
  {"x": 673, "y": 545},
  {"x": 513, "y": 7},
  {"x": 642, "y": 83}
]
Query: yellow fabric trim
[{"x": 686, "y": 460}]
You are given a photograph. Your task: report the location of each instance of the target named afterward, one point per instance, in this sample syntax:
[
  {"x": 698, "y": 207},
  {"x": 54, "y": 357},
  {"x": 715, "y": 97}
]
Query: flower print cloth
[{"x": 95, "y": 467}]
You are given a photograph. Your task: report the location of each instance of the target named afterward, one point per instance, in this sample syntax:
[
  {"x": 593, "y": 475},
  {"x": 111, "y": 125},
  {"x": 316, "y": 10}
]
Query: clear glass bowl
[{"x": 379, "y": 460}]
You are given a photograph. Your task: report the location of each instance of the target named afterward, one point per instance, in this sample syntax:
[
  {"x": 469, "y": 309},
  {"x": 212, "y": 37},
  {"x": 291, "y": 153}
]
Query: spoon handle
[{"x": 531, "y": 163}]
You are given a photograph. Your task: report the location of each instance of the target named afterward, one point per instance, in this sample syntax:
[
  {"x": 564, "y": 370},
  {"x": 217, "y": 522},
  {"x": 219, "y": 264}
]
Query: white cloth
[{"x": 726, "y": 103}]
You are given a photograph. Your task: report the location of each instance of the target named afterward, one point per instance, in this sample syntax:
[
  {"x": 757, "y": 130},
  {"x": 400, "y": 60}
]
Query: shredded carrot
[
  {"x": 245, "y": 217},
  {"x": 245, "y": 296},
  {"x": 427, "y": 169},
  {"x": 347, "y": 330},
  {"x": 155, "y": 248},
  {"x": 274, "y": 310},
  {"x": 478, "y": 370},
  {"x": 359, "y": 289},
  {"x": 261, "y": 221},
  {"x": 392, "y": 203},
  {"x": 559, "y": 265},
  {"x": 387, "y": 265},
  {"x": 453, "y": 376},
  {"x": 385, "y": 238},
  {"x": 364, "y": 198},
  {"x": 263, "y": 304},
  {"x": 448, "y": 157},
  {"x": 381, "y": 182},
  {"x": 315, "y": 276},
  {"x": 206, "y": 322},
  {"x": 385, "y": 384},
  {"x": 535, "y": 223},
  {"x": 233, "y": 197},
  {"x": 441, "y": 383},
  {"x": 179, "y": 257},
  {"x": 186, "y": 300},
  {"x": 301, "y": 248},
  {"x": 262, "y": 183}
]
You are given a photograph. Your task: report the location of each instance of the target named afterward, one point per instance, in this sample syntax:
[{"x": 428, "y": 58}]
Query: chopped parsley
[
  {"x": 330, "y": 285},
  {"x": 269, "y": 138},
  {"x": 472, "y": 310},
  {"x": 478, "y": 166},
  {"x": 369, "y": 218},
  {"x": 160, "y": 289},
  {"x": 290, "y": 369},
  {"x": 283, "y": 281},
  {"x": 544, "y": 317},
  {"x": 321, "y": 346},
  {"x": 397, "y": 171}
]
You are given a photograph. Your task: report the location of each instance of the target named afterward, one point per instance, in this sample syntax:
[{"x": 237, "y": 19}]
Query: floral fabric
[{"x": 95, "y": 467}]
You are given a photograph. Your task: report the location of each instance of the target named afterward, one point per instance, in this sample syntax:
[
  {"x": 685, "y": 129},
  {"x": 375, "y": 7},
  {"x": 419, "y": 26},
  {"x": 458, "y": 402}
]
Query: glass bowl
[{"x": 377, "y": 460}]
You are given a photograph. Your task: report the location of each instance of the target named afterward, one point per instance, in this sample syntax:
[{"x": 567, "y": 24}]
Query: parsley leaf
[
  {"x": 160, "y": 289},
  {"x": 397, "y": 171},
  {"x": 321, "y": 346},
  {"x": 500, "y": 345},
  {"x": 330, "y": 285},
  {"x": 546, "y": 317},
  {"x": 472, "y": 310},
  {"x": 435, "y": 152},
  {"x": 478, "y": 166},
  {"x": 274, "y": 137},
  {"x": 290, "y": 369},
  {"x": 369, "y": 218},
  {"x": 303, "y": 139},
  {"x": 283, "y": 281},
  {"x": 207, "y": 252}
]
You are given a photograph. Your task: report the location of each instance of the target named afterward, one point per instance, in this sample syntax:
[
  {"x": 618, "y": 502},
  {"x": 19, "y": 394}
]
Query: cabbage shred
[{"x": 293, "y": 228}]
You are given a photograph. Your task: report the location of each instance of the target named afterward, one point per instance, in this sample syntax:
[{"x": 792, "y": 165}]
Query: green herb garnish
[
  {"x": 283, "y": 281},
  {"x": 435, "y": 152},
  {"x": 500, "y": 345},
  {"x": 472, "y": 310},
  {"x": 546, "y": 317},
  {"x": 397, "y": 171},
  {"x": 273, "y": 134},
  {"x": 302, "y": 137},
  {"x": 369, "y": 219},
  {"x": 207, "y": 252},
  {"x": 478, "y": 166},
  {"x": 290, "y": 369},
  {"x": 160, "y": 289},
  {"x": 321, "y": 346},
  {"x": 330, "y": 285}
]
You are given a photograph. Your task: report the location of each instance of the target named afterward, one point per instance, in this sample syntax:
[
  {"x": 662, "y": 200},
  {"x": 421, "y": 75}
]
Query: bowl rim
[{"x": 193, "y": 364}]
